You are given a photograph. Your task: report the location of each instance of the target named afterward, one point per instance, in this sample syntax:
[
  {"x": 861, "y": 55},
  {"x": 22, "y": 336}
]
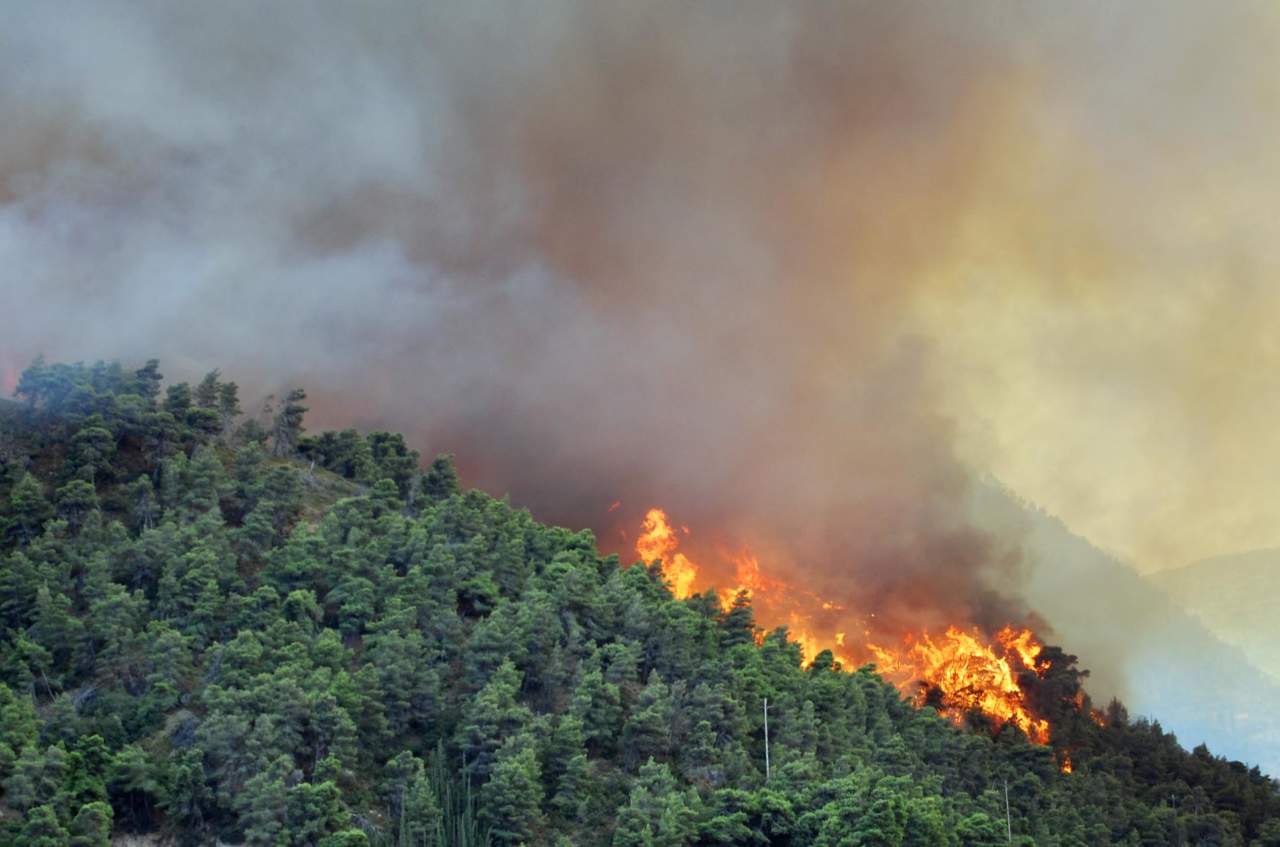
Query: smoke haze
[{"x": 795, "y": 273}]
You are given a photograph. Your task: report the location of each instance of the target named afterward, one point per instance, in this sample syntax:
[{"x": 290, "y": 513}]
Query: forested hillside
[{"x": 214, "y": 627}]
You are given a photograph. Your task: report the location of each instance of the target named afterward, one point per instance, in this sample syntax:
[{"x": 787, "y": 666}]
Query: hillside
[
  {"x": 1238, "y": 599},
  {"x": 214, "y": 629}
]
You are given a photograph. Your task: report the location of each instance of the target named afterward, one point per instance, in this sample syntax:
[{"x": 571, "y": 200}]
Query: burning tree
[{"x": 1008, "y": 678}]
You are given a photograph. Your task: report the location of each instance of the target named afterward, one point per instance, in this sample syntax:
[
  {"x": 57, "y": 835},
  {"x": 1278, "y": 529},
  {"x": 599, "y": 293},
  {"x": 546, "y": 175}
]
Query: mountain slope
[
  {"x": 199, "y": 642},
  {"x": 1138, "y": 643},
  {"x": 1238, "y": 599}
]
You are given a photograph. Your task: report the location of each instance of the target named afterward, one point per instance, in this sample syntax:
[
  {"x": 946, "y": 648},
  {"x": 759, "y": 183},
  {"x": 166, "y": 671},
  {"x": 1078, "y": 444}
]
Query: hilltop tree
[
  {"x": 286, "y": 425},
  {"x": 441, "y": 479},
  {"x": 177, "y": 400},
  {"x": 207, "y": 392},
  {"x": 228, "y": 406},
  {"x": 148, "y": 380},
  {"x": 738, "y": 624}
]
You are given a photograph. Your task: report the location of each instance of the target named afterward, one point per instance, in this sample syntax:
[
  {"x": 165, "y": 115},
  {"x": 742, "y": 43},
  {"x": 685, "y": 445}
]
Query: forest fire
[
  {"x": 658, "y": 542},
  {"x": 958, "y": 672}
]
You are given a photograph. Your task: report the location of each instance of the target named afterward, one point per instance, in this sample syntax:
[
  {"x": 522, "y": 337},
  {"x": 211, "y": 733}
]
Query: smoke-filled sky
[{"x": 797, "y": 272}]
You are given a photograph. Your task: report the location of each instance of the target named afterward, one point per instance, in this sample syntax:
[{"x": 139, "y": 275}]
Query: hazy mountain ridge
[
  {"x": 1139, "y": 644},
  {"x": 1237, "y": 596}
]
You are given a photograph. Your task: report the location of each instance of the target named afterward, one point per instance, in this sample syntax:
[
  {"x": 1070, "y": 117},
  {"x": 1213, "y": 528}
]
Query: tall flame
[
  {"x": 658, "y": 542},
  {"x": 959, "y": 672}
]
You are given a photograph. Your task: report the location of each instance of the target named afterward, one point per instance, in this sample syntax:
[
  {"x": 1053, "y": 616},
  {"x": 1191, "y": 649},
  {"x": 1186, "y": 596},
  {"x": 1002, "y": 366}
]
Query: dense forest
[{"x": 215, "y": 626}]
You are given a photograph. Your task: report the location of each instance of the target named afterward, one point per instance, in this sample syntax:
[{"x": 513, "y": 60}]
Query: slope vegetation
[{"x": 330, "y": 647}]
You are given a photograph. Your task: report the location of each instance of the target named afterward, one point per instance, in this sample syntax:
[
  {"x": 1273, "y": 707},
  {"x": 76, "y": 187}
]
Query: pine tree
[
  {"x": 440, "y": 482},
  {"x": 91, "y": 450},
  {"x": 144, "y": 510},
  {"x": 657, "y": 812},
  {"x": 286, "y": 425},
  {"x": 413, "y": 804},
  {"x": 598, "y": 705},
  {"x": 185, "y": 791},
  {"x": 492, "y": 715},
  {"x": 147, "y": 381},
  {"x": 207, "y": 392},
  {"x": 91, "y": 826},
  {"x": 394, "y": 460},
  {"x": 228, "y": 406},
  {"x": 738, "y": 624},
  {"x": 37, "y": 777},
  {"x": 313, "y": 811},
  {"x": 76, "y": 501},
  {"x": 18, "y": 728},
  {"x": 511, "y": 800},
  {"x": 134, "y": 784},
  {"x": 647, "y": 733},
  {"x": 42, "y": 829},
  {"x": 263, "y": 805},
  {"x": 177, "y": 400},
  {"x": 203, "y": 483},
  {"x": 27, "y": 510}
]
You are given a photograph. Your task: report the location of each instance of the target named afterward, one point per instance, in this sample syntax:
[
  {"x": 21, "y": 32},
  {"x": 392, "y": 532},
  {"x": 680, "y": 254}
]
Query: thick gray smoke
[
  {"x": 661, "y": 254},
  {"x": 727, "y": 258}
]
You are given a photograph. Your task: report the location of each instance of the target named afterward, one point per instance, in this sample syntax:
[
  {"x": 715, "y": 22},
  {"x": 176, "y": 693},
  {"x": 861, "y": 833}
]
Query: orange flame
[
  {"x": 958, "y": 673},
  {"x": 1024, "y": 643},
  {"x": 658, "y": 542}
]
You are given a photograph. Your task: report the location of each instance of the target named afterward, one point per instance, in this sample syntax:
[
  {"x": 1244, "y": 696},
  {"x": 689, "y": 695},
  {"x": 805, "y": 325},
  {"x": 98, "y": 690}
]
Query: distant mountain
[
  {"x": 1141, "y": 645},
  {"x": 1238, "y": 599}
]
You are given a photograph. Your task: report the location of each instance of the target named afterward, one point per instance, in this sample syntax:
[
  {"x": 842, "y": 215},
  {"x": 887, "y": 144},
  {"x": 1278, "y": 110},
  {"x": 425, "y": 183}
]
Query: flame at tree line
[{"x": 957, "y": 672}]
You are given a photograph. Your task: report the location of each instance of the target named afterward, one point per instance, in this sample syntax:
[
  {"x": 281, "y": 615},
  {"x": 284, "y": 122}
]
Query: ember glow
[{"x": 958, "y": 672}]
